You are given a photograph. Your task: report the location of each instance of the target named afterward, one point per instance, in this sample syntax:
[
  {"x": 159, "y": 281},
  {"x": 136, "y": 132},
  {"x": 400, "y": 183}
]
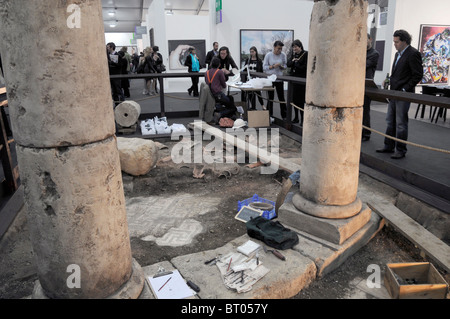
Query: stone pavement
[
  {"x": 168, "y": 224},
  {"x": 284, "y": 280},
  {"x": 166, "y": 220}
]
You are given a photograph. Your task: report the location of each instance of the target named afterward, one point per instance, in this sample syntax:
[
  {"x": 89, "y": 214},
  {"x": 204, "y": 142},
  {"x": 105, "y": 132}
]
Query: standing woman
[
  {"x": 193, "y": 64},
  {"x": 158, "y": 64},
  {"x": 146, "y": 66},
  {"x": 298, "y": 62},
  {"x": 255, "y": 64}
]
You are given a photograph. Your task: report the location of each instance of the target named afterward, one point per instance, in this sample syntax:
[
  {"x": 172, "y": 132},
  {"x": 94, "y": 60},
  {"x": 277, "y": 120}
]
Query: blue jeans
[{"x": 397, "y": 124}]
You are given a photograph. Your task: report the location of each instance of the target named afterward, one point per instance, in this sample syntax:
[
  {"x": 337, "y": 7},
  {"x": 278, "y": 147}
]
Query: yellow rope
[{"x": 396, "y": 139}]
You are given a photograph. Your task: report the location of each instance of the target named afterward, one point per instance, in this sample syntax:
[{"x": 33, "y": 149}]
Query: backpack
[{"x": 272, "y": 233}]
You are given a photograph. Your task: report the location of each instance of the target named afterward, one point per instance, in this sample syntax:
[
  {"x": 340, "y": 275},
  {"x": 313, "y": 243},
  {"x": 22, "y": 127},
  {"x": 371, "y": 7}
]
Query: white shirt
[{"x": 271, "y": 59}]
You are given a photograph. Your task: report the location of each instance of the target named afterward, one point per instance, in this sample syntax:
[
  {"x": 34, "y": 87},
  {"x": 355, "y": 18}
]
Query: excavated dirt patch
[{"x": 227, "y": 183}]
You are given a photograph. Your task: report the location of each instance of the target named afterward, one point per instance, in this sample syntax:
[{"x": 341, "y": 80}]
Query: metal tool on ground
[
  {"x": 275, "y": 252},
  {"x": 212, "y": 261},
  {"x": 193, "y": 286}
]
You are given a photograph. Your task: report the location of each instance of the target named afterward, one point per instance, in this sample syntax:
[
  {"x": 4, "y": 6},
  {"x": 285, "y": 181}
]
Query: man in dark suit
[
  {"x": 115, "y": 62},
  {"x": 371, "y": 66},
  {"x": 211, "y": 54},
  {"x": 407, "y": 72}
]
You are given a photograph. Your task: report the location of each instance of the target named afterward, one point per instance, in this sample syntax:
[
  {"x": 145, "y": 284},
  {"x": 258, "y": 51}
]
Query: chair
[
  {"x": 429, "y": 90},
  {"x": 442, "y": 112}
]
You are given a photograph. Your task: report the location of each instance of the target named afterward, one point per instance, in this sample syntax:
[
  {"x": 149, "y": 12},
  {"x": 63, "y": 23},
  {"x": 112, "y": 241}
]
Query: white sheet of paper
[{"x": 175, "y": 288}]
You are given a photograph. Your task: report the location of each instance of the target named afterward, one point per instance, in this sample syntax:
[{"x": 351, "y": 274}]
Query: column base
[
  {"x": 129, "y": 290},
  {"x": 326, "y": 211},
  {"x": 333, "y": 230}
]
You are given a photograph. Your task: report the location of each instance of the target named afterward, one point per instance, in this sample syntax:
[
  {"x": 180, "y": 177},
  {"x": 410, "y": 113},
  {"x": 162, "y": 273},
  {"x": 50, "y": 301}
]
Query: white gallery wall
[
  {"x": 260, "y": 14},
  {"x": 187, "y": 27},
  {"x": 280, "y": 14},
  {"x": 119, "y": 39}
]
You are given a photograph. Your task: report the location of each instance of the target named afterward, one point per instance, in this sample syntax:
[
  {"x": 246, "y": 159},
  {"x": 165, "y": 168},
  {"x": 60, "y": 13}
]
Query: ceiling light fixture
[{"x": 111, "y": 13}]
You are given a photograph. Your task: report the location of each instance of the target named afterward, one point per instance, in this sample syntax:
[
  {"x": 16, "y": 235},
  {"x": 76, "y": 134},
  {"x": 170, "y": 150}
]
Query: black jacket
[
  {"x": 371, "y": 63},
  {"x": 188, "y": 63},
  {"x": 227, "y": 62},
  {"x": 149, "y": 64},
  {"x": 259, "y": 68},
  {"x": 298, "y": 68},
  {"x": 115, "y": 68},
  {"x": 209, "y": 56},
  {"x": 408, "y": 72}
]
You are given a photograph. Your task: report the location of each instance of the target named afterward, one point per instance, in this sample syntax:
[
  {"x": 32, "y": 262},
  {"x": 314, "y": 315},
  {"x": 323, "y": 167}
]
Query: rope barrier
[
  {"x": 396, "y": 139},
  {"x": 157, "y": 95},
  {"x": 365, "y": 127}
]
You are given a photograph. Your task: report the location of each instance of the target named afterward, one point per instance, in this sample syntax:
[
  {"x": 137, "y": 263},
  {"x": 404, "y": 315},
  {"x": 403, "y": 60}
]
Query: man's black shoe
[
  {"x": 385, "y": 150},
  {"x": 398, "y": 155},
  {"x": 365, "y": 138}
]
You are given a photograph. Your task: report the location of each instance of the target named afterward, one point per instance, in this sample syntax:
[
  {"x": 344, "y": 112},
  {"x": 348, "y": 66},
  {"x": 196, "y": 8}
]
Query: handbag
[
  {"x": 226, "y": 122},
  {"x": 160, "y": 68}
]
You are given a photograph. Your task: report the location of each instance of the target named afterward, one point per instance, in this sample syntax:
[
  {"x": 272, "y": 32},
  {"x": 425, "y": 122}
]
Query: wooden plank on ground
[
  {"x": 435, "y": 248},
  {"x": 252, "y": 150}
]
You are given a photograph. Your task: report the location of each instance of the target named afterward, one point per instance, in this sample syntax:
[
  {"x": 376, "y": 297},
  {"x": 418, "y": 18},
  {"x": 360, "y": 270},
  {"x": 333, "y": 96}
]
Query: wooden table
[{"x": 249, "y": 91}]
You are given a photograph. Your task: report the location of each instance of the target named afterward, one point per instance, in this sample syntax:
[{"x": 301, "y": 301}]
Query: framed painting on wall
[
  {"x": 434, "y": 45},
  {"x": 179, "y": 50},
  {"x": 263, "y": 40}
]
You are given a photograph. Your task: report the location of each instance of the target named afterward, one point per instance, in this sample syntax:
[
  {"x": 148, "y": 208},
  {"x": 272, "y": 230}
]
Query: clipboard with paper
[{"x": 170, "y": 286}]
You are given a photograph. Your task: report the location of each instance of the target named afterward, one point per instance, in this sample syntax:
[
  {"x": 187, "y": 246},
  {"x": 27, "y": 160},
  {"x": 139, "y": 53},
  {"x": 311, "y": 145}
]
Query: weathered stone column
[
  {"x": 333, "y": 115},
  {"x": 61, "y": 111},
  {"x": 334, "y": 96}
]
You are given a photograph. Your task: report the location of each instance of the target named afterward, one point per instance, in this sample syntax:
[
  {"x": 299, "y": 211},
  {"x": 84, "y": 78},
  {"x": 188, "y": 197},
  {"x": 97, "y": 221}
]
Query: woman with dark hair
[
  {"x": 298, "y": 62},
  {"x": 215, "y": 79},
  {"x": 255, "y": 64},
  {"x": 226, "y": 61},
  {"x": 193, "y": 64}
]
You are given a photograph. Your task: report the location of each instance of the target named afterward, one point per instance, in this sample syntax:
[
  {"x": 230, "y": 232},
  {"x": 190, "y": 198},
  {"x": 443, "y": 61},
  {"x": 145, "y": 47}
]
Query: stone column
[
  {"x": 333, "y": 117},
  {"x": 333, "y": 114},
  {"x": 61, "y": 111}
]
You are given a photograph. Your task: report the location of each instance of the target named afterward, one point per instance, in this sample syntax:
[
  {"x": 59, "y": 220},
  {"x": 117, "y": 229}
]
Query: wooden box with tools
[{"x": 415, "y": 281}]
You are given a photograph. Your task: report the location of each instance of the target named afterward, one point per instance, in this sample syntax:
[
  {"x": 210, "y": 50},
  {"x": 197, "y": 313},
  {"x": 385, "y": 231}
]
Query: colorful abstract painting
[{"x": 434, "y": 44}]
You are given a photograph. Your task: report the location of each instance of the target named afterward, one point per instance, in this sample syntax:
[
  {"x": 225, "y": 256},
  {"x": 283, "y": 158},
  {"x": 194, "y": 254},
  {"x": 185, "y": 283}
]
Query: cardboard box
[
  {"x": 415, "y": 281},
  {"x": 258, "y": 119}
]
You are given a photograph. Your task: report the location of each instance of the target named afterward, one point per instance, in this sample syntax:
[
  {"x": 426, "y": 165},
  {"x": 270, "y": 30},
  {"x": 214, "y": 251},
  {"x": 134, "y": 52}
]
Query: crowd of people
[
  {"x": 406, "y": 73},
  {"x": 122, "y": 63}
]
